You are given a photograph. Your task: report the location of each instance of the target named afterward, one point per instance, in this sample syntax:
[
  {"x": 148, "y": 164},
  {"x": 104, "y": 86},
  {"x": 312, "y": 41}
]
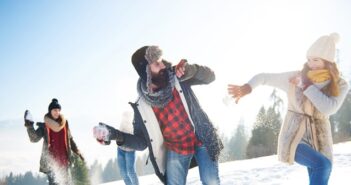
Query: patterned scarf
[{"x": 159, "y": 98}]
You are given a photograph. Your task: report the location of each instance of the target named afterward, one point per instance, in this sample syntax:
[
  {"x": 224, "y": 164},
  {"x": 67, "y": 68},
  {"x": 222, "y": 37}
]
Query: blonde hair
[{"x": 333, "y": 89}]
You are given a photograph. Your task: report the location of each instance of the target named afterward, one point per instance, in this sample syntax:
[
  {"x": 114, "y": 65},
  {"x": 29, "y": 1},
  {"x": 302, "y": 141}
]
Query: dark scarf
[{"x": 159, "y": 98}]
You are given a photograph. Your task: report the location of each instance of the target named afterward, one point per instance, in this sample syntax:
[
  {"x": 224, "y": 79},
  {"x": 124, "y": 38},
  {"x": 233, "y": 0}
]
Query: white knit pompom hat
[{"x": 324, "y": 47}]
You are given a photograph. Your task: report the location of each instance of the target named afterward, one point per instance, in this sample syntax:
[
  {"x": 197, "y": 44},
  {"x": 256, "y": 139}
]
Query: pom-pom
[{"x": 335, "y": 36}]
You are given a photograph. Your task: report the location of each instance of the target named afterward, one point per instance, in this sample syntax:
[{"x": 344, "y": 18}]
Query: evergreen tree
[
  {"x": 259, "y": 143},
  {"x": 341, "y": 121},
  {"x": 80, "y": 172},
  {"x": 266, "y": 129},
  {"x": 26, "y": 179},
  {"x": 111, "y": 172},
  {"x": 10, "y": 180},
  {"x": 238, "y": 143},
  {"x": 95, "y": 173},
  {"x": 41, "y": 180}
]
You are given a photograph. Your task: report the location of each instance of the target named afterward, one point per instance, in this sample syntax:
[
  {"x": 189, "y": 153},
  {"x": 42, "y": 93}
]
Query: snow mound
[{"x": 267, "y": 171}]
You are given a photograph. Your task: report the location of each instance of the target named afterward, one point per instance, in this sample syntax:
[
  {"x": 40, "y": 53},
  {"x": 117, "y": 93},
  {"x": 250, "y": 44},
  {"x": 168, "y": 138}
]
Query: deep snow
[{"x": 267, "y": 171}]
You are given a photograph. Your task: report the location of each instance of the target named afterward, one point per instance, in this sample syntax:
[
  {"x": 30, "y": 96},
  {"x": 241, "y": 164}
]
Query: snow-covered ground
[{"x": 268, "y": 171}]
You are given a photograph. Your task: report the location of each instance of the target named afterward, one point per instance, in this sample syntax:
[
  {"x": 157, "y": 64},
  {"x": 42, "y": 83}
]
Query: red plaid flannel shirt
[{"x": 177, "y": 130}]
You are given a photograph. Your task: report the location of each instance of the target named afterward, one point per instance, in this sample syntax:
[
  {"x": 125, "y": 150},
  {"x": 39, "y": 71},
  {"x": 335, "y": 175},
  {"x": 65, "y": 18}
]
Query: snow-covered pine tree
[{"x": 80, "y": 172}]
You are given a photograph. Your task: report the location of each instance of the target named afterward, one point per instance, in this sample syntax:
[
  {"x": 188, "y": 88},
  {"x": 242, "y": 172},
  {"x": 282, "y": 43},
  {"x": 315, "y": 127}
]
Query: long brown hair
[
  {"x": 333, "y": 88},
  {"x": 58, "y": 120}
]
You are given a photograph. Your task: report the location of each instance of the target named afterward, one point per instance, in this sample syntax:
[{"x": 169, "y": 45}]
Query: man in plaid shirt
[
  {"x": 177, "y": 131},
  {"x": 168, "y": 119}
]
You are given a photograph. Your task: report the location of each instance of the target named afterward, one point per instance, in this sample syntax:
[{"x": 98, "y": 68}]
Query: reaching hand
[
  {"x": 28, "y": 119},
  {"x": 239, "y": 91}
]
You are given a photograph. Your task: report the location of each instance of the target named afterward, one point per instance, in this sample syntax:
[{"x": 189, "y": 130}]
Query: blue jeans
[
  {"x": 318, "y": 166},
  {"x": 126, "y": 165},
  {"x": 178, "y": 165}
]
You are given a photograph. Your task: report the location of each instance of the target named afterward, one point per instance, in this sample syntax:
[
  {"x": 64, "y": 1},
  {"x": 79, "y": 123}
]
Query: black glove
[{"x": 28, "y": 120}]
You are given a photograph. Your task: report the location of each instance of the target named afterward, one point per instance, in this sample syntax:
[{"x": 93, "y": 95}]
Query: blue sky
[
  {"x": 79, "y": 52},
  {"x": 55, "y": 49}
]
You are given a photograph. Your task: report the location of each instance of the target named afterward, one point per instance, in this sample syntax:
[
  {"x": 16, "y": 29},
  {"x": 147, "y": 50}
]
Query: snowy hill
[{"x": 267, "y": 171}]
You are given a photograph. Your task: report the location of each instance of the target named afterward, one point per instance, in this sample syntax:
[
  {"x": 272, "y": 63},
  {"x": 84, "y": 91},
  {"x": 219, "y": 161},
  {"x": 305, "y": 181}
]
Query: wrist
[
  {"x": 306, "y": 84},
  {"x": 247, "y": 88}
]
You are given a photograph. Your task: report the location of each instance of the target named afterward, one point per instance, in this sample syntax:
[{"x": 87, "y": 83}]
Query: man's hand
[
  {"x": 28, "y": 119},
  {"x": 239, "y": 91},
  {"x": 180, "y": 68}
]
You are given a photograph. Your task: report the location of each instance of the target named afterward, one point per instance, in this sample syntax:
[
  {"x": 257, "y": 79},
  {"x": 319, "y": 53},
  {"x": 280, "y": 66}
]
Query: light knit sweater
[{"x": 325, "y": 104}]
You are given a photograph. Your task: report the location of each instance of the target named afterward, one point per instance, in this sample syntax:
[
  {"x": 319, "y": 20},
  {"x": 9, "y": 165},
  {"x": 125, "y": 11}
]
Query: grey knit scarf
[{"x": 159, "y": 98}]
